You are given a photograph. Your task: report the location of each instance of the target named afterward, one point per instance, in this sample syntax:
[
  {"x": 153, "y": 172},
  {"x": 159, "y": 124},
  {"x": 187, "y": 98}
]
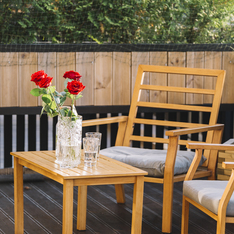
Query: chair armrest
[
  {"x": 198, "y": 154},
  {"x": 209, "y": 146},
  {"x": 102, "y": 121},
  {"x": 185, "y": 131}
]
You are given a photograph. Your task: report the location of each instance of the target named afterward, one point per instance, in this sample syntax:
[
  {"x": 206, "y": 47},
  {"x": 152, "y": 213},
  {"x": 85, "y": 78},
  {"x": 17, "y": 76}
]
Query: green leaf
[
  {"x": 62, "y": 100},
  {"x": 53, "y": 106},
  {"x": 78, "y": 96},
  {"x": 52, "y": 89},
  {"x": 46, "y": 98},
  {"x": 43, "y": 91},
  {"x": 36, "y": 92}
]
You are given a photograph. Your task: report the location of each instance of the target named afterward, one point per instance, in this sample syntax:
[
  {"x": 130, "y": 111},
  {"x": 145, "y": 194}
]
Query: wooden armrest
[
  {"x": 228, "y": 165},
  {"x": 92, "y": 122},
  {"x": 185, "y": 131},
  {"x": 209, "y": 146}
]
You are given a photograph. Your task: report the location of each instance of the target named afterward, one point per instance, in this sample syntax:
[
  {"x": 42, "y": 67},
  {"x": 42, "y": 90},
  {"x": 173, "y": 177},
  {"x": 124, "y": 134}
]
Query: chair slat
[
  {"x": 182, "y": 70},
  {"x": 158, "y": 140},
  {"x": 177, "y": 89},
  {"x": 175, "y": 106},
  {"x": 167, "y": 123}
]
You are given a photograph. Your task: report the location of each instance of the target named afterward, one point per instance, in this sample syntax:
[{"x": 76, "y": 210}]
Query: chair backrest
[{"x": 181, "y": 89}]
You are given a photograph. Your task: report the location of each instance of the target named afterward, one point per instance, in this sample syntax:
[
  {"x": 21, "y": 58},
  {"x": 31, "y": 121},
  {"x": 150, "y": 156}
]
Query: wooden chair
[
  {"x": 126, "y": 126},
  {"x": 212, "y": 197}
]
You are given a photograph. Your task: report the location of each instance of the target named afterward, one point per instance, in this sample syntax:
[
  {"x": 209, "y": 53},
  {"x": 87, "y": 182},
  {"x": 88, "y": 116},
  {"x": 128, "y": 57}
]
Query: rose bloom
[
  {"x": 75, "y": 87},
  {"x": 45, "y": 82},
  {"x": 37, "y": 76},
  {"x": 72, "y": 75}
]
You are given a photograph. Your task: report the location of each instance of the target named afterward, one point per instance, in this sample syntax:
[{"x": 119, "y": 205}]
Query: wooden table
[{"x": 107, "y": 171}]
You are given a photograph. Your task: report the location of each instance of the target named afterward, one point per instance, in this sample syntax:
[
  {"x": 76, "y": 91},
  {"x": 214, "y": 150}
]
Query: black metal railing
[{"x": 24, "y": 130}]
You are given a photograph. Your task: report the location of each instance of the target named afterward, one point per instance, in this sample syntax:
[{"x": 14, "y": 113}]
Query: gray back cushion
[
  {"x": 150, "y": 160},
  {"x": 208, "y": 193}
]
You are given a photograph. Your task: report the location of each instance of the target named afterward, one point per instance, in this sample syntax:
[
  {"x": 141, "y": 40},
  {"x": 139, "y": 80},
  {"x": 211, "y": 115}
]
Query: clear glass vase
[{"x": 68, "y": 141}]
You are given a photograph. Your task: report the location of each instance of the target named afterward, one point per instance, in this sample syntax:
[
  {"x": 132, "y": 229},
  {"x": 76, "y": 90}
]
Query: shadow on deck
[{"x": 43, "y": 209}]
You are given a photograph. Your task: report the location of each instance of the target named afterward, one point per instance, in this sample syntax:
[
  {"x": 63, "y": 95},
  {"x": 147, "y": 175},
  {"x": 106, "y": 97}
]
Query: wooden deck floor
[{"x": 43, "y": 210}]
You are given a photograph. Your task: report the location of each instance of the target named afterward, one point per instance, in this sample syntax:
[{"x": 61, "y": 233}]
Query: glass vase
[{"x": 68, "y": 141}]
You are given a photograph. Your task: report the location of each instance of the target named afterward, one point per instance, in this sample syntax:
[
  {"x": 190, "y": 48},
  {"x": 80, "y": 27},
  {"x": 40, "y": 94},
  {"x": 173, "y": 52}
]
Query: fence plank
[
  {"x": 65, "y": 62},
  {"x": 194, "y": 60},
  {"x": 228, "y": 65},
  {"x": 27, "y": 66},
  {"x": 9, "y": 80},
  {"x": 160, "y": 59},
  {"x": 85, "y": 66},
  {"x": 47, "y": 62},
  {"x": 105, "y": 72},
  {"x": 137, "y": 59},
  {"x": 212, "y": 61},
  {"x": 121, "y": 78},
  {"x": 177, "y": 59},
  {"x": 103, "y": 78}
]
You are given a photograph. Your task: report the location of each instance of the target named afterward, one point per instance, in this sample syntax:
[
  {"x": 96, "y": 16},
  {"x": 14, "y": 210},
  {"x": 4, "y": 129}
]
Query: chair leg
[
  {"x": 221, "y": 225},
  {"x": 119, "y": 191},
  {"x": 167, "y": 207},
  {"x": 185, "y": 216}
]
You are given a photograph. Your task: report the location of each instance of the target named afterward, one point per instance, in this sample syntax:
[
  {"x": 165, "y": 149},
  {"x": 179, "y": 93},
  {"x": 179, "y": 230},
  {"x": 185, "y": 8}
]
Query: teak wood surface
[
  {"x": 107, "y": 171},
  {"x": 175, "y": 102},
  {"x": 221, "y": 216}
]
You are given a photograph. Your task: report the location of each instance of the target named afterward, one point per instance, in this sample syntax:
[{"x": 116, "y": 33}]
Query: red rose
[
  {"x": 45, "y": 82},
  {"x": 37, "y": 76},
  {"x": 75, "y": 87},
  {"x": 72, "y": 75}
]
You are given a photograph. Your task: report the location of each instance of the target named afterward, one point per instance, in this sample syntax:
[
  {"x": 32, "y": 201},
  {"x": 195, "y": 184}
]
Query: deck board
[{"x": 43, "y": 209}]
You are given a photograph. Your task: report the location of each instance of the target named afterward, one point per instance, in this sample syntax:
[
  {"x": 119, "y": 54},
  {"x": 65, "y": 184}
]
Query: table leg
[
  {"x": 81, "y": 207},
  {"x": 18, "y": 197},
  {"x": 137, "y": 205},
  {"x": 68, "y": 207}
]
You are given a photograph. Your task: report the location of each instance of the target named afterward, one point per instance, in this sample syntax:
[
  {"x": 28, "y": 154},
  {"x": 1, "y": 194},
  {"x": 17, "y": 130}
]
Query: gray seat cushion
[
  {"x": 208, "y": 193},
  {"x": 150, "y": 160}
]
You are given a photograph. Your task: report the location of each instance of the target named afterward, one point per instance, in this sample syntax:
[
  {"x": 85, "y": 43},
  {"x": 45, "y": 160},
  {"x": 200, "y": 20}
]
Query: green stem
[{"x": 58, "y": 109}]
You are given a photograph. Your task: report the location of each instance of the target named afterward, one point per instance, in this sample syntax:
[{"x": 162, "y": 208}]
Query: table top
[{"x": 45, "y": 161}]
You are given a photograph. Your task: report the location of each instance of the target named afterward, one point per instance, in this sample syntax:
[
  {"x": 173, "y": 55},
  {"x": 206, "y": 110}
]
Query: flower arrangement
[{"x": 52, "y": 100}]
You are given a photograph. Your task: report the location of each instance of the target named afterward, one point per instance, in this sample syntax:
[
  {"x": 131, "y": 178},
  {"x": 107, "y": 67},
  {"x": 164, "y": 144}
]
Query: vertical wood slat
[
  {"x": 137, "y": 59},
  {"x": 9, "y": 86},
  {"x": 121, "y": 78},
  {"x": 85, "y": 66},
  {"x": 27, "y": 66},
  {"x": 195, "y": 60},
  {"x": 64, "y": 62},
  {"x": 7, "y": 140},
  {"x": 15, "y": 75},
  {"x": 160, "y": 59},
  {"x": 47, "y": 62},
  {"x": 103, "y": 78},
  {"x": 213, "y": 60},
  {"x": 228, "y": 65},
  {"x": 177, "y": 59}
]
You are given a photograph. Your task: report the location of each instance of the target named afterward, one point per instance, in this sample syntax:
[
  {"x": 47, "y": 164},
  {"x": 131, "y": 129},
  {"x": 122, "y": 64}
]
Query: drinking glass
[
  {"x": 90, "y": 146},
  {"x": 95, "y": 135}
]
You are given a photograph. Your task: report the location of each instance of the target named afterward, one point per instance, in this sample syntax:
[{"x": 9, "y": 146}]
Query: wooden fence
[{"x": 108, "y": 76}]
